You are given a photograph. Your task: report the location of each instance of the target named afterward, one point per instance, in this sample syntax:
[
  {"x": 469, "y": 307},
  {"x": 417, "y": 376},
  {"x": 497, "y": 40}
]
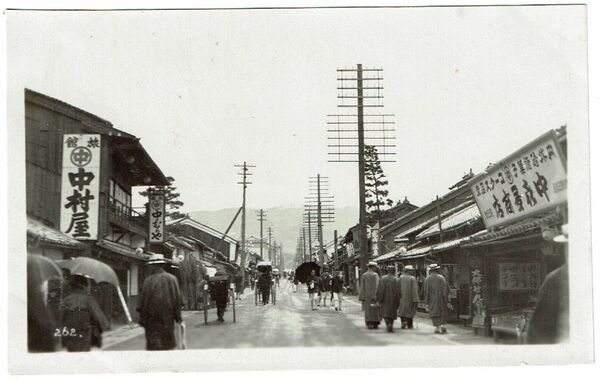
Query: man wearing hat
[
  {"x": 368, "y": 295},
  {"x": 388, "y": 297},
  {"x": 550, "y": 320},
  {"x": 409, "y": 297},
  {"x": 82, "y": 317},
  {"x": 436, "y": 292},
  {"x": 160, "y": 306}
]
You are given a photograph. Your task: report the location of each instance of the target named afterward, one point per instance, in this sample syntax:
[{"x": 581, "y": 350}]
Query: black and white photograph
[{"x": 351, "y": 186}]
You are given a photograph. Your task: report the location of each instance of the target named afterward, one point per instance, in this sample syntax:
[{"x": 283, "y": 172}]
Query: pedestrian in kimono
[
  {"x": 83, "y": 320},
  {"x": 160, "y": 306},
  {"x": 325, "y": 287},
  {"x": 239, "y": 287},
  {"x": 409, "y": 297},
  {"x": 436, "y": 291},
  {"x": 388, "y": 297},
  {"x": 312, "y": 287},
  {"x": 367, "y": 294},
  {"x": 337, "y": 288}
]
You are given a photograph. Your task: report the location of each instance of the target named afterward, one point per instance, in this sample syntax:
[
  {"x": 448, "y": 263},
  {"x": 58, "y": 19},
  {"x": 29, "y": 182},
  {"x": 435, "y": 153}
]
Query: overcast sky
[{"x": 205, "y": 90}]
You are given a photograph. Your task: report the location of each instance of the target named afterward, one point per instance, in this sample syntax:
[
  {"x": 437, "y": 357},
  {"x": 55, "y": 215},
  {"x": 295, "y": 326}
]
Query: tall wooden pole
[
  {"x": 245, "y": 167},
  {"x": 310, "y": 256},
  {"x": 363, "y": 243},
  {"x": 261, "y": 218},
  {"x": 303, "y": 244},
  {"x": 269, "y": 248},
  {"x": 319, "y": 222},
  {"x": 335, "y": 250},
  {"x": 244, "y": 185}
]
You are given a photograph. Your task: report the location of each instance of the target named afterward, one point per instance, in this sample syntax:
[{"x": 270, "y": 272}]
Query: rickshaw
[
  {"x": 265, "y": 268},
  {"x": 211, "y": 284}
]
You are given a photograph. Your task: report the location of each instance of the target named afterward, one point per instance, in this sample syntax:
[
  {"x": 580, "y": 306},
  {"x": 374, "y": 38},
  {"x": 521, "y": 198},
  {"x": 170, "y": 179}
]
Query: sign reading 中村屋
[
  {"x": 80, "y": 186},
  {"x": 156, "y": 217},
  {"x": 532, "y": 180}
]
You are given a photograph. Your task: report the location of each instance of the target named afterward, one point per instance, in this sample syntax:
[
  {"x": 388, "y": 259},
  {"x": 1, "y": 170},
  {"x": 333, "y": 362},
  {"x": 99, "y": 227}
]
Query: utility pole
[
  {"x": 319, "y": 205},
  {"x": 245, "y": 168},
  {"x": 261, "y": 217},
  {"x": 359, "y": 127},
  {"x": 269, "y": 249},
  {"x": 303, "y": 244},
  {"x": 335, "y": 250},
  {"x": 310, "y": 256},
  {"x": 319, "y": 223}
]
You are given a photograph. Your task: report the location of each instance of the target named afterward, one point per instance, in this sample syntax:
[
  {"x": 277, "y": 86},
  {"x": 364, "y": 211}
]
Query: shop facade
[{"x": 93, "y": 203}]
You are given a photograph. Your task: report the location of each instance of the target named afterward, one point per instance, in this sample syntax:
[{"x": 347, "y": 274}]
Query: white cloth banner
[{"x": 80, "y": 186}]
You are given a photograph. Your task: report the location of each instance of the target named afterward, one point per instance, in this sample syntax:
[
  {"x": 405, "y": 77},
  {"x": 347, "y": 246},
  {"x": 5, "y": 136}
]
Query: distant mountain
[{"x": 286, "y": 224}]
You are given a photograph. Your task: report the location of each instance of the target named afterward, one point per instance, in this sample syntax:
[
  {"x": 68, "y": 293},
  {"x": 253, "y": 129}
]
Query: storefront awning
[
  {"x": 453, "y": 221},
  {"x": 522, "y": 227},
  {"x": 386, "y": 257},
  {"x": 122, "y": 250},
  {"x": 426, "y": 250},
  {"x": 50, "y": 236}
]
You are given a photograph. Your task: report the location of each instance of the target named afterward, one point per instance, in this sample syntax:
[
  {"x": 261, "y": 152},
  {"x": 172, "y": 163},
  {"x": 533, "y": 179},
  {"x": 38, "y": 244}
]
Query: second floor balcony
[{"x": 124, "y": 216}]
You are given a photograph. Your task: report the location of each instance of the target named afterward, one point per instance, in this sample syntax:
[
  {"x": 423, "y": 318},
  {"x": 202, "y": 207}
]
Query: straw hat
[
  {"x": 408, "y": 268},
  {"x": 372, "y": 264},
  {"x": 156, "y": 259},
  {"x": 434, "y": 266}
]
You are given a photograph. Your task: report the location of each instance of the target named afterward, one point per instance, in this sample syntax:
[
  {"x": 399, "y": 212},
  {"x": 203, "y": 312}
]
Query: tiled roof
[
  {"x": 122, "y": 250},
  {"x": 385, "y": 257},
  {"x": 517, "y": 228},
  {"x": 453, "y": 221},
  {"x": 425, "y": 250},
  {"x": 433, "y": 220},
  {"x": 51, "y": 236}
]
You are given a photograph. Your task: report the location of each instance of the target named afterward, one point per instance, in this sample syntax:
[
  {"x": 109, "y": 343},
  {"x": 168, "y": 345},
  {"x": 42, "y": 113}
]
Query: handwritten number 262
[{"x": 64, "y": 332}]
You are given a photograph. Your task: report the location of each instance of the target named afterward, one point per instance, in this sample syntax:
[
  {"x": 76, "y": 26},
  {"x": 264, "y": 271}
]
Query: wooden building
[{"x": 124, "y": 164}]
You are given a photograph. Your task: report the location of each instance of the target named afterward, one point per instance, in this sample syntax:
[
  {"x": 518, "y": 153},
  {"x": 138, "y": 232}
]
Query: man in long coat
[
  {"x": 436, "y": 292},
  {"x": 83, "y": 316},
  {"x": 160, "y": 306},
  {"x": 388, "y": 297},
  {"x": 409, "y": 297},
  {"x": 550, "y": 320},
  {"x": 368, "y": 295}
]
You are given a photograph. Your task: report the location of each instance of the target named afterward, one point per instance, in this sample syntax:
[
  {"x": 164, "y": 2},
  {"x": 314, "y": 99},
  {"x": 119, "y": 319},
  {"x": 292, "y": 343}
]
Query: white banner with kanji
[
  {"x": 156, "y": 218},
  {"x": 80, "y": 186},
  {"x": 530, "y": 181}
]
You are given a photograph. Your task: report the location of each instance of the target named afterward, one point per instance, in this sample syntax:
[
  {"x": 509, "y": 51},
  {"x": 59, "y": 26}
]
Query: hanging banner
[
  {"x": 80, "y": 186},
  {"x": 156, "y": 217},
  {"x": 532, "y": 180}
]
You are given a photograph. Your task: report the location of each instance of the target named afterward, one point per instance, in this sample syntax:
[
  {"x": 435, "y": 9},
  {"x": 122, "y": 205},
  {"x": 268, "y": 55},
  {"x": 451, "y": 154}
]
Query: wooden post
[
  {"x": 319, "y": 221},
  {"x": 362, "y": 228},
  {"x": 335, "y": 250}
]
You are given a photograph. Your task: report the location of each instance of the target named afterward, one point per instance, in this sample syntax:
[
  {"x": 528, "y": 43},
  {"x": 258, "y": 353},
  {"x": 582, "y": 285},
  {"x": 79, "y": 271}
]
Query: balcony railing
[{"x": 125, "y": 216}]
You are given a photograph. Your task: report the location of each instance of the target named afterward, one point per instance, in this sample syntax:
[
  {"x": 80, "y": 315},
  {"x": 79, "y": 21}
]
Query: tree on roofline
[
  {"x": 375, "y": 185},
  {"x": 172, "y": 202}
]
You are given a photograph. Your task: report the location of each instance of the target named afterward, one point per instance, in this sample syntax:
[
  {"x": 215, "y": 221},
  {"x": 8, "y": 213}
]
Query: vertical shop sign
[
  {"x": 530, "y": 181},
  {"x": 80, "y": 186},
  {"x": 156, "y": 217}
]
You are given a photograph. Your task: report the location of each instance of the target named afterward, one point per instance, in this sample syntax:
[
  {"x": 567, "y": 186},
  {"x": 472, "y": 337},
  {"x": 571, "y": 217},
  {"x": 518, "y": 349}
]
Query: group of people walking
[
  {"x": 325, "y": 286},
  {"x": 390, "y": 297}
]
